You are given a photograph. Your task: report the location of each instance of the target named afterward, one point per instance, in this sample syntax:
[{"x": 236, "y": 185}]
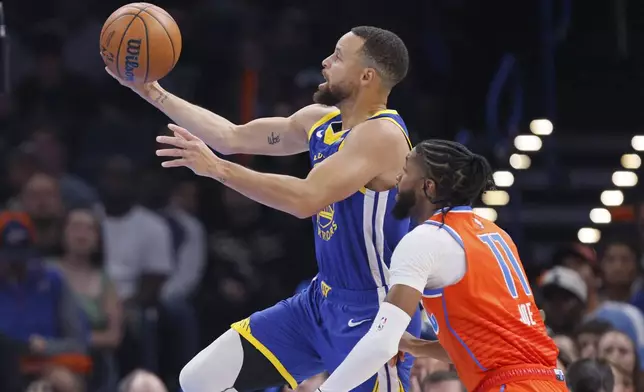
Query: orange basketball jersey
[{"x": 488, "y": 321}]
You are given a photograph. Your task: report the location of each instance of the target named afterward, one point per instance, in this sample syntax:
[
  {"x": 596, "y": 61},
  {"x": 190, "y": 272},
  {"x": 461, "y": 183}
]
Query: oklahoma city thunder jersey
[
  {"x": 354, "y": 238},
  {"x": 488, "y": 321}
]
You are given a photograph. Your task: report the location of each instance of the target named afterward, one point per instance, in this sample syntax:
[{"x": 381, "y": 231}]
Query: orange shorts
[{"x": 532, "y": 386}]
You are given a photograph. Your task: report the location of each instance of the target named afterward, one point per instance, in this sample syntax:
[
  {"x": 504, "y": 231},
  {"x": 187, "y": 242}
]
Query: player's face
[
  {"x": 411, "y": 188},
  {"x": 343, "y": 71}
]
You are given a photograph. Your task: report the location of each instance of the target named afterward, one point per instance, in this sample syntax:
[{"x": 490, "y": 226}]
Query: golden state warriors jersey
[{"x": 355, "y": 237}]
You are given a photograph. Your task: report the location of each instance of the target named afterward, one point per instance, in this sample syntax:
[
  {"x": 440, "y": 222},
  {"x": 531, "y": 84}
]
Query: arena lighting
[
  {"x": 624, "y": 178},
  {"x": 496, "y": 198},
  {"x": 503, "y": 179},
  {"x": 520, "y": 161},
  {"x": 486, "y": 212},
  {"x": 541, "y": 127},
  {"x": 600, "y": 215},
  {"x": 527, "y": 143},
  {"x": 588, "y": 235},
  {"x": 631, "y": 161},
  {"x": 612, "y": 198},
  {"x": 638, "y": 143}
]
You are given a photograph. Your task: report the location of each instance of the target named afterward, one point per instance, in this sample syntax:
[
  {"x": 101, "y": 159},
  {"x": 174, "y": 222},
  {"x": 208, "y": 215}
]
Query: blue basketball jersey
[{"x": 355, "y": 237}]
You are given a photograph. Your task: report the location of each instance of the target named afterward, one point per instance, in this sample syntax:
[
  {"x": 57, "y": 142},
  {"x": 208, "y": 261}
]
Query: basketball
[{"x": 140, "y": 43}]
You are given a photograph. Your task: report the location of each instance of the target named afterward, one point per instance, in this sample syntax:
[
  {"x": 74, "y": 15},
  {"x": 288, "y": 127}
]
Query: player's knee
[{"x": 216, "y": 367}]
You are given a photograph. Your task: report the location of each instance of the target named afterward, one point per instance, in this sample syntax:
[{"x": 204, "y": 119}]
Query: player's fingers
[
  {"x": 170, "y": 152},
  {"x": 173, "y": 141},
  {"x": 182, "y": 132},
  {"x": 175, "y": 163}
]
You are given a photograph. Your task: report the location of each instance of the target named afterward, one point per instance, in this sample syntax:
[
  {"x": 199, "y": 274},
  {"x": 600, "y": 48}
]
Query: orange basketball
[{"x": 140, "y": 42}]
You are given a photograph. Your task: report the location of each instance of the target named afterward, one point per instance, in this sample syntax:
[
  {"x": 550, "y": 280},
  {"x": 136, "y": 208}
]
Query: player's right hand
[{"x": 143, "y": 89}]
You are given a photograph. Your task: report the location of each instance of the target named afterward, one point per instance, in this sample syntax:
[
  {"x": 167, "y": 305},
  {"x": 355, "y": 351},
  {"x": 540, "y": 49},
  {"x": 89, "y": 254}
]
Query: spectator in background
[
  {"x": 567, "y": 346},
  {"x": 52, "y": 157},
  {"x": 442, "y": 381},
  {"x": 54, "y": 335},
  {"x": 620, "y": 270},
  {"x": 582, "y": 259},
  {"x": 21, "y": 166},
  {"x": 587, "y": 337},
  {"x": 41, "y": 199},
  {"x": 82, "y": 266},
  {"x": 565, "y": 295},
  {"x": 620, "y": 350},
  {"x": 623, "y": 380},
  {"x": 626, "y": 319},
  {"x": 139, "y": 258},
  {"x": 589, "y": 375}
]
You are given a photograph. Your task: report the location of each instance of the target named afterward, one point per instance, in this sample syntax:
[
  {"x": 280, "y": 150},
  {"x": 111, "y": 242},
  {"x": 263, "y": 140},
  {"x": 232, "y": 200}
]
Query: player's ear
[
  {"x": 429, "y": 187},
  {"x": 368, "y": 75}
]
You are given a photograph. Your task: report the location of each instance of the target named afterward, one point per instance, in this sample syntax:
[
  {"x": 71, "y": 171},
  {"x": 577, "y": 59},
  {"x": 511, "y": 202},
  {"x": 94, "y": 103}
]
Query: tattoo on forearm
[
  {"x": 161, "y": 98},
  {"x": 273, "y": 138}
]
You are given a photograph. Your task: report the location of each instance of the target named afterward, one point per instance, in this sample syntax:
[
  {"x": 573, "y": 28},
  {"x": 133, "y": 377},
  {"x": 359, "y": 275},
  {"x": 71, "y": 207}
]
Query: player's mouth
[{"x": 326, "y": 81}]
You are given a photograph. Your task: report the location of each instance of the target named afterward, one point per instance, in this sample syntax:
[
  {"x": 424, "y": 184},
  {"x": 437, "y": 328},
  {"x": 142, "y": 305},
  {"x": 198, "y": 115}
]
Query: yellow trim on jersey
[
  {"x": 401, "y": 128},
  {"x": 321, "y": 121},
  {"x": 243, "y": 328}
]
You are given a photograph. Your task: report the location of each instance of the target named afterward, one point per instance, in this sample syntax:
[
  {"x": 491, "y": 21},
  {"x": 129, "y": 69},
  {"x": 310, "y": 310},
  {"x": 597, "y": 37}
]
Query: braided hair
[{"x": 460, "y": 175}]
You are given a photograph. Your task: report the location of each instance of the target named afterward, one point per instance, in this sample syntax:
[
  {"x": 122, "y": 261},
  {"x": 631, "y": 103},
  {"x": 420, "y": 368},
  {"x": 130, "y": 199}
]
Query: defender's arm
[
  {"x": 365, "y": 155},
  {"x": 265, "y": 136}
]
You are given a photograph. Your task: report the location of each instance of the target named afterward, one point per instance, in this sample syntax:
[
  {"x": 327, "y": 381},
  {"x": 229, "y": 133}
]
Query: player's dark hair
[
  {"x": 386, "y": 51},
  {"x": 590, "y": 375},
  {"x": 460, "y": 175}
]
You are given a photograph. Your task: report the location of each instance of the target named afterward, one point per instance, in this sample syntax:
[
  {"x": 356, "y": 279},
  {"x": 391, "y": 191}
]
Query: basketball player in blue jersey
[{"x": 357, "y": 147}]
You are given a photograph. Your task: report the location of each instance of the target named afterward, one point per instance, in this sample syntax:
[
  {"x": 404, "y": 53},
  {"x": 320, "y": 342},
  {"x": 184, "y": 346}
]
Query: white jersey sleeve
[{"x": 427, "y": 257}]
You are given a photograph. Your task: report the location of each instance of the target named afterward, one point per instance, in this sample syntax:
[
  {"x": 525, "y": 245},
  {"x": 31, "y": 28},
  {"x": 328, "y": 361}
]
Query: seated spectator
[
  {"x": 81, "y": 264},
  {"x": 141, "y": 381},
  {"x": 590, "y": 375},
  {"x": 587, "y": 336},
  {"x": 564, "y": 299},
  {"x": 567, "y": 346},
  {"x": 41, "y": 200},
  {"x": 583, "y": 259},
  {"x": 39, "y": 318},
  {"x": 139, "y": 258},
  {"x": 620, "y": 271},
  {"x": 626, "y": 319},
  {"x": 442, "y": 381},
  {"x": 620, "y": 350}
]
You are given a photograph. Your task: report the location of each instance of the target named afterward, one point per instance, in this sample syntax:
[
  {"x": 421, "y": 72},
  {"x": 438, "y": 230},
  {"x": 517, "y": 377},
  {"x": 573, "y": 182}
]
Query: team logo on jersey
[
  {"x": 434, "y": 323},
  {"x": 326, "y": 225}
]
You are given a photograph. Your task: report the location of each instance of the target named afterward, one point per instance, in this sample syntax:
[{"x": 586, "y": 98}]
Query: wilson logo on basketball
[{"x": 132, "y": 58}]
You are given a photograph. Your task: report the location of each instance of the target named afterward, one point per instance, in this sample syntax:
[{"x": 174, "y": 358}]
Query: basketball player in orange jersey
[
  {"x": 468, "y": 274},
  {"x": 356, "y": 147}
]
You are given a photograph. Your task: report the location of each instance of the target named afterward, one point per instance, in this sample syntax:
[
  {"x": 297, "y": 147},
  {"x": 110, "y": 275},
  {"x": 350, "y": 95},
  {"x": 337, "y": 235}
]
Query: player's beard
[
  {"x": 405, "y": 203},
  {"x": 331, "y": 96}
]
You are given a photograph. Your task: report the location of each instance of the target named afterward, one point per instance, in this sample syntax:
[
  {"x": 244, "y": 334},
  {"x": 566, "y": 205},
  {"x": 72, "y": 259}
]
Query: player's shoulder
[
  {"x": 424, "y": 233},
  {"x": 312, "y": 115}
]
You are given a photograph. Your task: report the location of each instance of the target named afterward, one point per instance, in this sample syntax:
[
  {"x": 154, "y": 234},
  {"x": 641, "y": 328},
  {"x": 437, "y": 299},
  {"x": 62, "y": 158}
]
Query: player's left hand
[{"x": 190, "y": 151}]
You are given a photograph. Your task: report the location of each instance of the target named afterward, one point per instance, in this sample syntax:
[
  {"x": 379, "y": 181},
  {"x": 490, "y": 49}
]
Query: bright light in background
[
  {"x": 520, "y": 161},
  {"x": 612, "y": 198},
  {"x": 541, "y": 127},
  {"x": 503, "y": 179},
  {"x": 638, "y": 143},
  {"x": 588, "y": 235},
  {"x": 631, "y": 161},
  {"x": 487, "y": 213},
  {"x": 527, "y": 143},
  {"x": 624, "y": 178},
  {"x": 496, "y": 198},
  {"x": 600, "y": 215}
]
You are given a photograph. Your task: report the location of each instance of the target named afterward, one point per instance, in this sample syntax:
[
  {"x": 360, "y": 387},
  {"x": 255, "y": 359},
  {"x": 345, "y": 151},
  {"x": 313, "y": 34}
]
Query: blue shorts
[{"x": 310, "y": 333}]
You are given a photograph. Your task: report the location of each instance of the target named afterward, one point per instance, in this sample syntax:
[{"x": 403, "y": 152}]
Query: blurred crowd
[{"x": 109, "y": 265}]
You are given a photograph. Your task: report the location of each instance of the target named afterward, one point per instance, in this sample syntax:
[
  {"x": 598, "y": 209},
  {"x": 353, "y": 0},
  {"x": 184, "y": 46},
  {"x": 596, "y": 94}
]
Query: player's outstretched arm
[
  {"x": 365, "y": 155},
  {"x": 265, "y": 136}
]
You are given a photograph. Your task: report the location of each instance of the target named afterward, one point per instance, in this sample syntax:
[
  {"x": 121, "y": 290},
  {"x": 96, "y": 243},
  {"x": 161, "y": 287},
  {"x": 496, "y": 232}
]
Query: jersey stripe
[
  {"x": 373, "y": 221},
  {"x": 458, "y": 338}
]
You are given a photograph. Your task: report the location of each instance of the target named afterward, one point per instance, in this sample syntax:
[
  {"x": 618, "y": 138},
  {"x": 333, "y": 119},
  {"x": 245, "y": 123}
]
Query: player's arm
[
  {"x": 366, "y": 154},
  {"x": 265, "y": 136},
  {"x": 413, "y": 262}
]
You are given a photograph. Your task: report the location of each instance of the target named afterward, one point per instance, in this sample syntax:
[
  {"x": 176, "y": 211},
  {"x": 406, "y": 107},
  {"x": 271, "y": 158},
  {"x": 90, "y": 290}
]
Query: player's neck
[
  {"x": 356, "y": 110},
  {"x": 424, "y": 212}
]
